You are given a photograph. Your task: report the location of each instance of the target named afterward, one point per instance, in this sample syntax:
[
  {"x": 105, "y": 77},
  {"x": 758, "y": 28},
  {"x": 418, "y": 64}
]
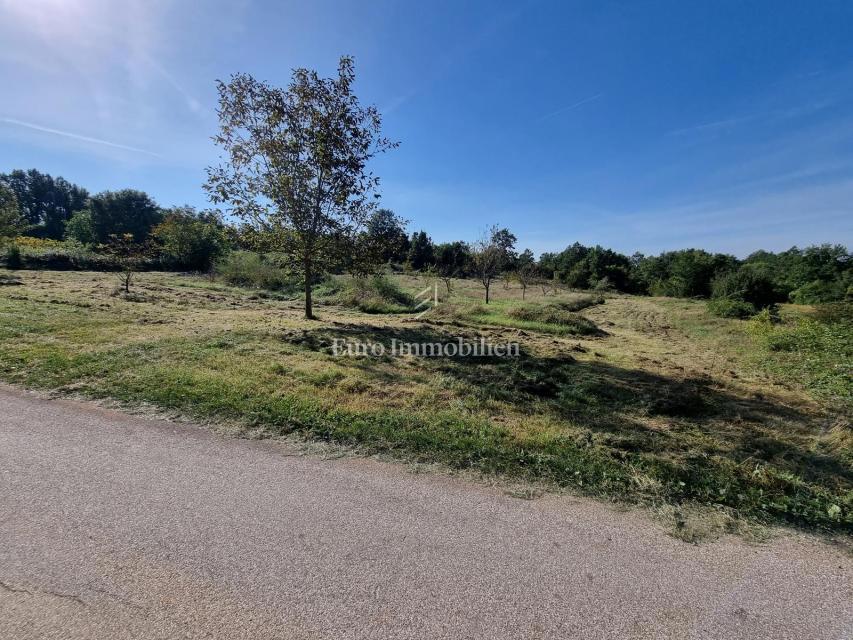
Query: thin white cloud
[
  {"x": 75, "y": 136},
  {"x": 709, "y": 126},
  {"x": 571, "y": 107}
]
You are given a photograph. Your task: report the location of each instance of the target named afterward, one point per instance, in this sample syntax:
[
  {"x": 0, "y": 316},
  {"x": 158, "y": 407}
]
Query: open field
[{"x": 647, "y": 400}]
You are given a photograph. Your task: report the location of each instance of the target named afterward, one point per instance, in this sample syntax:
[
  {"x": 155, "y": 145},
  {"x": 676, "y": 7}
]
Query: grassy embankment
[{"x": 641, "y": 399}]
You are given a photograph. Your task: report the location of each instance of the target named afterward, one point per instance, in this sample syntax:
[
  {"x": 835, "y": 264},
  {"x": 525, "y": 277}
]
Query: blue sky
[{"x": 636, "y": 125}]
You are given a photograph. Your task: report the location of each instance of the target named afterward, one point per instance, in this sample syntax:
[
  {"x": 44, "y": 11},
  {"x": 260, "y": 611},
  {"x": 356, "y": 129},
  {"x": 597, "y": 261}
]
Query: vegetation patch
[
  {"x": 375, "y": 294},
  {"x": 815, "y": 351},
  {"x": 552, "y": 315}
]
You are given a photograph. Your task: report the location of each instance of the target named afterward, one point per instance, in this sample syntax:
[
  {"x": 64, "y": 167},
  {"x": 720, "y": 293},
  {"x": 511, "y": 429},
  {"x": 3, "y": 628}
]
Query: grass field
[{"x": 644, "y": 400}]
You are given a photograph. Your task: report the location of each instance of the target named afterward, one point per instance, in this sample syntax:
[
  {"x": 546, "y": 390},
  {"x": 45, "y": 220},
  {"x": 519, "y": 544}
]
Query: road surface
[{"x": 114, "y": 526}]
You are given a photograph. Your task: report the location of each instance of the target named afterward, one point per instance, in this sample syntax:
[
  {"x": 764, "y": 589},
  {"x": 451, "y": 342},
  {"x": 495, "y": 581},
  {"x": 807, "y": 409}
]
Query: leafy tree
[
  {"x": 128, "y": 254},
  {"x": 296, "y": 165},
  {"x": 421, "y": 251},
  {"x": 526, "y": 271},
  {"x": 46, "y": 203},
  {"x": 81, "y": 228},
  {"x": 386, "y": 237},
  {"x": 452, "y": 260},
  {"x": 191, "y": 240},
  {"x": 11, "y": 220},
  {"x": 118, "y": 213},
  {"x": 491, "y": 254}
]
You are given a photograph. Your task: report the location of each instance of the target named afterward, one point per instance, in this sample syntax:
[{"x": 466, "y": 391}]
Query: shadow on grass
[{"x": 694, "y": 439}]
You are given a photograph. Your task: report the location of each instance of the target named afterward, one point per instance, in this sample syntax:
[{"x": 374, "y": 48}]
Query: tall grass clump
[
  {"x": 375, "y": 294},
  {"x": 255, "y": 270}
]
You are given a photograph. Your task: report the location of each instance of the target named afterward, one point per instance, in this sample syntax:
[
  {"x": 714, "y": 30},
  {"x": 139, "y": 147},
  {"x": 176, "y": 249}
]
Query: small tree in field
[
  {"x": 127, "y": 254},
  {"x": 296, "y": 165},
  {"x": 526, "y": 271},
  {"x": 490, "y": 256}
]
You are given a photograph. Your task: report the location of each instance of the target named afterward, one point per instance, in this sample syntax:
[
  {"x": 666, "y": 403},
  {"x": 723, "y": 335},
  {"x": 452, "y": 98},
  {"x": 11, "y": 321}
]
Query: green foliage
[
  {"x": 13, "y": 257},
  {"x": 385, "y": 237},
  {"x": 749, "y": 283},
  {"x": 816, "y": 352},
  {"x": 492, "y": 254},
  {"x": 682, "y": 274},
  {"x": 421, "y": 251},
  {"x": 11, "y": 220},
  {"x": 80, "y": 228},
  {"x": 731, "y": 308},
  {"x": 452, "y": 259},
  {"x": 304, "y": 150},
  {"x": 821, "y": 291},
  {"x": 46, "y": 203},
  {"x": 191, "y": 240},
  {"x": 583, "y": 267},
  {"x": 255, "y": 270},
  {"x": 812, "y": 275},
  {"x": 119, "y": 213}
]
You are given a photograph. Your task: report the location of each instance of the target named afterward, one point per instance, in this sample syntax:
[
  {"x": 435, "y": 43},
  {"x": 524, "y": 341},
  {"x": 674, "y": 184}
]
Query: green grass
[
  {"x": 816, "y": 352},
  {"x": 603, "y": 423}
]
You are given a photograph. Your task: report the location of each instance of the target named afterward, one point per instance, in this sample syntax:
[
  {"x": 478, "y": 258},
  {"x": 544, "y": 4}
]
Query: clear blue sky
[{"x": 635, "y": 125}]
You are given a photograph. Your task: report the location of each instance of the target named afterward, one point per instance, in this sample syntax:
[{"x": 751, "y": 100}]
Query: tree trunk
[
  {"x": 309, "y": 311},
  {"x": 487, "y": 293},
  {"x": 523, "y": 291}
]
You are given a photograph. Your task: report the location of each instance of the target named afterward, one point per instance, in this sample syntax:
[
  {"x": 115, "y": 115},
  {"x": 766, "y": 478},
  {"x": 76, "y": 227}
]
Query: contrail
[
  {"x": 75, "y": 136},
  {"x": 571, "y": 107}
]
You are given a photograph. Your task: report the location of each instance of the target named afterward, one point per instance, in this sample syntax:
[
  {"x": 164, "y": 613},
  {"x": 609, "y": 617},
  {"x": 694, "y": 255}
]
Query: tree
[
  {"x": 191, "y": 240},
  {"x": 11, "y": 220},
  {"x": 421, "y": 251},
  {"x": 491, "y": 254},
  {"x": 526, "y": 270},
  {"x": 128, "y": 254},
  {"x": 46, "y": 203},
  {"x": 386, "y": 237},
  {"x": 80, "y": 228},
  {"x": 451, "y": 261},
  {"x": 117, "y": 213},
  {"x": 296, "y": 165}
]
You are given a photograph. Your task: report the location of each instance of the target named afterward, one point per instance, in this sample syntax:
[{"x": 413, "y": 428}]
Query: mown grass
[{"x": 599, "y": 416}]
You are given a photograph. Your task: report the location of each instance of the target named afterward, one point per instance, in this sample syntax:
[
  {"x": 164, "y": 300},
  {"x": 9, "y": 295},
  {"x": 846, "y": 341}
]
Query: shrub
[
  {"x": 13, "y": 257},
  {"x": 80, "y": 228},
  {"x": 190, "y": 241},
  {"x": 819, "y": 291},
  {"x": 731, "y": 308},
  {"x": 749, "y": 284},
  {"x": 815, "y": 352}
]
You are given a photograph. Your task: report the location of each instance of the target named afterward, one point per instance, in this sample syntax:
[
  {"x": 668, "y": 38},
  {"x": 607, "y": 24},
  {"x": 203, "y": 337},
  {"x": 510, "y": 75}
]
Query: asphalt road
[{"x": 120, "y": 527}]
